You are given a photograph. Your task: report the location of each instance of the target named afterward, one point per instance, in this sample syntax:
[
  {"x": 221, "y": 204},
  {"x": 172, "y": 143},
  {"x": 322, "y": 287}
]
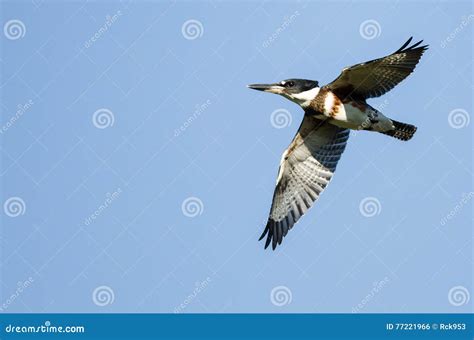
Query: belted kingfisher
[{"x": 308, "y": 164}]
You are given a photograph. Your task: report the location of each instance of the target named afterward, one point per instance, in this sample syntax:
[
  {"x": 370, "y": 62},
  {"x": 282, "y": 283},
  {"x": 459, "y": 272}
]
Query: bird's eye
[{"x": 289, "y": 84}]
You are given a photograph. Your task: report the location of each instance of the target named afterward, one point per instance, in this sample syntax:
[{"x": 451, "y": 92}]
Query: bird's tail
[{"x": 401, "y": 131}]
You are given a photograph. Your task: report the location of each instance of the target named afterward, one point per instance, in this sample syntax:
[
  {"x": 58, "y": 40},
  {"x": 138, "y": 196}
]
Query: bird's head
[{"x": 300, "y": 91}]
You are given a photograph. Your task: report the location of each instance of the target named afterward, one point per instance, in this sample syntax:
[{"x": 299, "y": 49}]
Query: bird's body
[
  {"x": 308, "y": 164},
  {"x": 349, "y": 114}
]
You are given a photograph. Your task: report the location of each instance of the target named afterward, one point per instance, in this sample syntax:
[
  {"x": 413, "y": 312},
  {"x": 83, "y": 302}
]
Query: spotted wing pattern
[
  {"x": 306, "y": 168},
  {"x": 376, "y": 77}
]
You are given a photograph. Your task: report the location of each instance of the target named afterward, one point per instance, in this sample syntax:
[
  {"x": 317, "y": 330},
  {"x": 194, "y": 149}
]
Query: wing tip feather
[
  {"x": 406, "y": 46},
  {"x": 275, "y": 232}
]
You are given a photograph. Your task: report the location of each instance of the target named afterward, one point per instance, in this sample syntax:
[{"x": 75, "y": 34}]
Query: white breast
[
  {"x": 305, "y": 98},
  {"x": 334, "y": 108},
  {"x": 328, "y": 103},
  {"x": 352, "y": 117}
]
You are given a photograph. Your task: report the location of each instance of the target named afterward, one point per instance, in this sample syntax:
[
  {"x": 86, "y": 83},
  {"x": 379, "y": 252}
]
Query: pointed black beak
[{"x": 272, "y": 88}]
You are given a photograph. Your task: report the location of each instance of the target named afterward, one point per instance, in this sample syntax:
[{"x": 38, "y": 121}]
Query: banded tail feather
[{"x": 402, "y": 131}]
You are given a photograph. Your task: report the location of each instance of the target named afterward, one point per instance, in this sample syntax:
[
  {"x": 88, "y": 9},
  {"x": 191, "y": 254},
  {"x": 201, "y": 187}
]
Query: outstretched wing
[
  {"x": 306, "y": 168},
  {"x": 376, "y": 77}
]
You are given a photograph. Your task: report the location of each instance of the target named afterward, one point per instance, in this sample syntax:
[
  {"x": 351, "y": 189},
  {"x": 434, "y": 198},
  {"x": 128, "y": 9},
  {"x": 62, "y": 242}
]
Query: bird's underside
[{"x": 308, "y": 164}]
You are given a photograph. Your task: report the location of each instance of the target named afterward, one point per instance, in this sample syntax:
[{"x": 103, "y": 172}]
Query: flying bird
[{"x": 330, "y": 111}]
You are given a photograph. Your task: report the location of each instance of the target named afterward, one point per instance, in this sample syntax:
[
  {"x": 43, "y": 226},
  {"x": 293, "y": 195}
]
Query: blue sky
[{"x": 137, "y": 169}]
